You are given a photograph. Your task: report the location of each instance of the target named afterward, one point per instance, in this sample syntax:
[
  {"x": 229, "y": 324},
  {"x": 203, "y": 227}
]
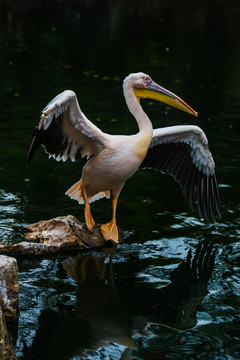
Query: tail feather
[
  {"x": 75, "y": 193},
  {"x": 99, "y": 195}
]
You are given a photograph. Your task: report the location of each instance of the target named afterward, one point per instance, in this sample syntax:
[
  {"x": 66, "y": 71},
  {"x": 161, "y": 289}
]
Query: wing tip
[
  {"x": 36, "y": 142},
  {"x": 208, "y": 200},
  {"x": 31, "y": 152}
]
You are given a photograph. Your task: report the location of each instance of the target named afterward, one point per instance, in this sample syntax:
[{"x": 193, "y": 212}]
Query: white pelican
[{"x": 181, "y": 151}]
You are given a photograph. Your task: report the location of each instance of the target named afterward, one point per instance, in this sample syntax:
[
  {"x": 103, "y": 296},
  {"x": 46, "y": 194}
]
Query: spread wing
[
  {"x": 182, "y": 151},
  {"x": 65, "y": 132}
]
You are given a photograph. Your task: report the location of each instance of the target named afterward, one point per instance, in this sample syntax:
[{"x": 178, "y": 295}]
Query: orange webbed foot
[{"x": 110, "y": 231}]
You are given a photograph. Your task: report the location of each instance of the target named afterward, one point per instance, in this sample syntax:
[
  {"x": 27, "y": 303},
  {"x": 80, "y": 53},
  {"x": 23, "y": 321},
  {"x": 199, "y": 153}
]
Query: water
[{"x": 152, "y": 299}]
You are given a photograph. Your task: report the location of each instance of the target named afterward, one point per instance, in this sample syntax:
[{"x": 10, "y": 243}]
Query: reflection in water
[
  {"x": 96, "y": 318},
  {"x": 100, "y": 316},
  {"x": 178, "y": 302},
  {"x": 106, "y": 314},
  {"x": 98, "y": 301}
]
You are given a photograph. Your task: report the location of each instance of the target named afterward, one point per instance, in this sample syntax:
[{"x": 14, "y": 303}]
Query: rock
[
  {"x": 55, "y": 235},
  {"x": 6, "y": 347},
  {"x": 9, "y": 286}
]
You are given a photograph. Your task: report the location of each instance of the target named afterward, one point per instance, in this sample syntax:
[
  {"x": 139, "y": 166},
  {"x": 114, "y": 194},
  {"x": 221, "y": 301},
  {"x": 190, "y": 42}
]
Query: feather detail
[
  {"x": 182, "y": 151},
  {"x": 65, "y": 132}
]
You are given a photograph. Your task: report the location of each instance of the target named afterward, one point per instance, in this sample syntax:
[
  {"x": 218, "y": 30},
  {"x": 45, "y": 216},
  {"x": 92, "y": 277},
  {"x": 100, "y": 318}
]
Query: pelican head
[{"x": 144, "y": 87}]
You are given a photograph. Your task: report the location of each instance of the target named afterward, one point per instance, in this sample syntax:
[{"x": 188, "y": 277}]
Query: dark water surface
[{"x": 171, "y": 290}]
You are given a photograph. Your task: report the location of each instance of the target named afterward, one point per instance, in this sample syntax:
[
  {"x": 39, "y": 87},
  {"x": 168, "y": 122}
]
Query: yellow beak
[{"x": 159, "y": 93}]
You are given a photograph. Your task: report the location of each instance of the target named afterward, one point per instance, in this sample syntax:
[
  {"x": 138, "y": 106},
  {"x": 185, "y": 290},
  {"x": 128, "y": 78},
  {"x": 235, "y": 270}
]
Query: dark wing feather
[
  {"x": 65, "y": 132},
  {"x": 182, "y": 151}
]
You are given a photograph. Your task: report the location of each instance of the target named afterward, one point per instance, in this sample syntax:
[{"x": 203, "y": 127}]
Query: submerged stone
[{"x": 59, "y": 234}]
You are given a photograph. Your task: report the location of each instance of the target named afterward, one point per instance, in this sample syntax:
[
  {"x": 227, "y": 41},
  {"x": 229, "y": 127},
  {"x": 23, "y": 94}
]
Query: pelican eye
[{"x": 147, "y": 80}]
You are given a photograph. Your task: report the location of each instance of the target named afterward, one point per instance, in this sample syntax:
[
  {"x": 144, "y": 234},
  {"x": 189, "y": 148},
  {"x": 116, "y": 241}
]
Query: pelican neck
[{"x": 144, "y": 123}]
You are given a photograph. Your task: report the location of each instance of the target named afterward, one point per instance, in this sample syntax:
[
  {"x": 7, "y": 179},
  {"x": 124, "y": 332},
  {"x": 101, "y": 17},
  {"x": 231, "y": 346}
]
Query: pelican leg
[
  {"x": 87, "y": 211},
  {"x": 110, "y": 230}
]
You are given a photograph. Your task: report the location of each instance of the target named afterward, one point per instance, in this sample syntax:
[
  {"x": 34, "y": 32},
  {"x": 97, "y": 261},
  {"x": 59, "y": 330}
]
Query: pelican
[{"x": 181, "y": 151}]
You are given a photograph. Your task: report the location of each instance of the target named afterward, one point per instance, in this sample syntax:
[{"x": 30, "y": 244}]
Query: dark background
[{"x": 193, "y": 49}]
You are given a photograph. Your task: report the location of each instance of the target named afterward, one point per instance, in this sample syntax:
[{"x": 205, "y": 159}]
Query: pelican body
[{"x": 181, "y": 151}]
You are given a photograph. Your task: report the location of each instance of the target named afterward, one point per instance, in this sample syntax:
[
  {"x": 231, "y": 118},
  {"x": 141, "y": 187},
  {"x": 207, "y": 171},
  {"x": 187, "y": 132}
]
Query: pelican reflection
[
  {"x": 111, "y": 319},
  {"x": 98, "y": 301}
]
